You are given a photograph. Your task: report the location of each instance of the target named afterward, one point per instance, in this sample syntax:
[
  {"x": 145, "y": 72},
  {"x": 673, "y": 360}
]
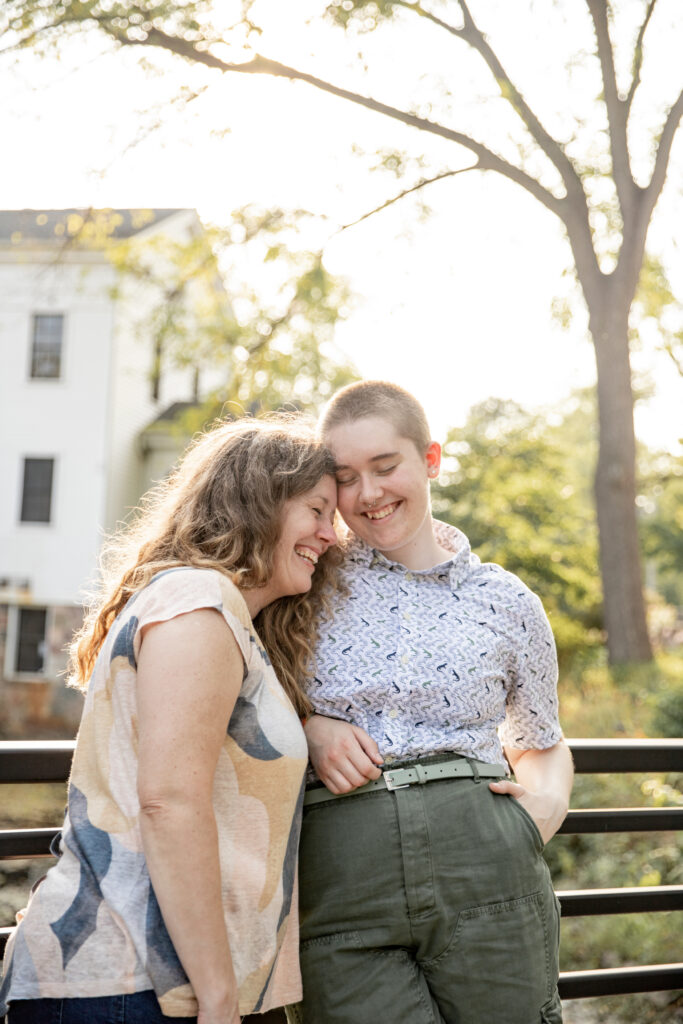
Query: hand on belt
[{"x": 416, "y": 774}]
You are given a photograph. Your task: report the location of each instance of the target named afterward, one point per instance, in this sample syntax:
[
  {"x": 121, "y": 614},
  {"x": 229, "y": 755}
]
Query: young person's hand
[
  {"x": 543, "y": 786},
  {"x": 548, "y": 810},
  {"x": 343, "y": 755}
]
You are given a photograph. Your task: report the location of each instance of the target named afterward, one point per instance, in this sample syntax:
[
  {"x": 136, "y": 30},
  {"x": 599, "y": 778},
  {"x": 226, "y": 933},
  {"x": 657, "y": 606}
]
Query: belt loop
[{"x": 475, "y": 771}]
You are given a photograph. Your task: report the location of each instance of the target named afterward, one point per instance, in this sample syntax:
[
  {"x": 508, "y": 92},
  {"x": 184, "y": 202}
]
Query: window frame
[
  {"x": 11, "y": 672},
  {"x": 25, "y": 459},
  {"x": 35, "y": 316}
]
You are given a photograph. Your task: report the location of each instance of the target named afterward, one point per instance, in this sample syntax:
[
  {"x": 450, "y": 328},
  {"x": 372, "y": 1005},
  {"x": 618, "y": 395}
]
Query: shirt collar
[{"x": 449, "y": 537}]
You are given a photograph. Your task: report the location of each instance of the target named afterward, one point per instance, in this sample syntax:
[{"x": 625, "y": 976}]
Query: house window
[
  {"x": 30, "y": 647},
  {"x": 36, "y": 495},
  {"x": 46, "y": 350}
]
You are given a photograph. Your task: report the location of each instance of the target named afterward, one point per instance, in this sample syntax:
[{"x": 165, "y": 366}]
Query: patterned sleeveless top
[{"x": 93, "y": 925}]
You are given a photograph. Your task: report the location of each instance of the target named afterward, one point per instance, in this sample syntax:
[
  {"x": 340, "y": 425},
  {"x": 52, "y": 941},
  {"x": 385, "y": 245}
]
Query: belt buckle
[{"x": 393, "y": 779}]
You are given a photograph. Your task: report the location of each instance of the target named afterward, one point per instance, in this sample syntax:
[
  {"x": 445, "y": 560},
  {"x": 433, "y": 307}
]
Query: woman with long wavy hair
[{"x": 174, "y": 895}]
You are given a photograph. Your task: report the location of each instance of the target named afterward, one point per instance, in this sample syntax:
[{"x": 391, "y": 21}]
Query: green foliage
[
  {"x": 598, "y": 702},
  {"x": 661, "y": 521},
  {"x": 520, "y": 487},
  {"x": 657, "y": 315},
  {"x": 251, "y": 301},
  {"x": 365, "y": 15},
  {"x": 32, "y": 22},
  {"x": 517, "y": 488},
  {"x": 667, "y": 719}
]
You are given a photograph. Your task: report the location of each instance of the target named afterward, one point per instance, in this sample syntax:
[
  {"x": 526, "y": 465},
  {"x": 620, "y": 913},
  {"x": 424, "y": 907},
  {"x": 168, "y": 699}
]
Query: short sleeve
[
  {"x": 531, "y": 720},
  {"x": 179, "y": 591}
]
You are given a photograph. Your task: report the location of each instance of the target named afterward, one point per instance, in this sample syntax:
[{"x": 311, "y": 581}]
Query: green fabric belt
[{"x": 417, "y": 774}]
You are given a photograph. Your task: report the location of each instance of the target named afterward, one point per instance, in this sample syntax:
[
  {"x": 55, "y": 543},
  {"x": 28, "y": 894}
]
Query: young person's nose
[{"x": 370, "y": 491}]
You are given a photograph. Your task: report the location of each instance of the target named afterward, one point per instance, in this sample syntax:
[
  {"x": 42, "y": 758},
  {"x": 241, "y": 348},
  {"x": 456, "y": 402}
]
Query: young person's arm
[
  {"x": 344, "y": 756},
  {"x": 543, "y": 786},
  {"x": 189, "y": 675}
]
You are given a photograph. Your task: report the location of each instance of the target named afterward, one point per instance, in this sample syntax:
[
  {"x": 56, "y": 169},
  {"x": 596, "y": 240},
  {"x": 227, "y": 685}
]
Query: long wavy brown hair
[{"x": 221, "y": 508}]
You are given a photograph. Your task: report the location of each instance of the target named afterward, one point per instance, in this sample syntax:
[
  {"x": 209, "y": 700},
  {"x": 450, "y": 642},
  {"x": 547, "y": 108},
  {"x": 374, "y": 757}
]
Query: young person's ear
[{"x": 433, "y": 459}]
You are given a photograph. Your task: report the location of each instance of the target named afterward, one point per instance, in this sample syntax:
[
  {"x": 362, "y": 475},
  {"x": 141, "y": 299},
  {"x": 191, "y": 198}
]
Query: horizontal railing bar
[
  {"x": 35, "y": 842},
  {"x": 585, "y": 984},
  {"x": 35, "y": 760},
  {"x": 49, "y": 760},
  {"x": 608, "y": 755},
  {"x": 19, "y": 843},
  {"x": 639, "y": 900},
  {"x": 623, "y": 819},
  {"x": 620, "y": 981}
]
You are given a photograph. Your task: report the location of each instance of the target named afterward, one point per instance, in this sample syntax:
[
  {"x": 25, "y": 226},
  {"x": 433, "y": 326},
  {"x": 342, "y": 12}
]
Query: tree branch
[
  {"x": 666, "y": 139},
  {"x": 258, "y": 65},
  {"x": 401, "y": 195},
  {"x": 645, "y": 200},
  {"x": 638, "y": 57},
  {"x": 475, "y": 38},
  {"x": 575, "y": 206},
  {"x": 616, "y": 110},
  {"x": 674, "y": 358}
]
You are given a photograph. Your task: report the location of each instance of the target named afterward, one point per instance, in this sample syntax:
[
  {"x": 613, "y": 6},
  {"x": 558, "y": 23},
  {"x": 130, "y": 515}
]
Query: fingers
[
  {"x": 369, "y": 746},
  {"x": 347, "y": 766},
  {"x": 343, "y": 755},
  {"x": 509, "y": 787},
  {"x": 343, "y": 780}
]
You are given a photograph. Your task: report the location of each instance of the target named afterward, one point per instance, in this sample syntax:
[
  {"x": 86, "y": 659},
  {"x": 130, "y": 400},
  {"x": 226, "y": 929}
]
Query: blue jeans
[{"x": 136, "y": 1008}]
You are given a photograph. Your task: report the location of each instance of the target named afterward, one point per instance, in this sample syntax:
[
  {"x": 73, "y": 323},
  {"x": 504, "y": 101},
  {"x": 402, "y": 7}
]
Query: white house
[{"x": 77, "y": 386}]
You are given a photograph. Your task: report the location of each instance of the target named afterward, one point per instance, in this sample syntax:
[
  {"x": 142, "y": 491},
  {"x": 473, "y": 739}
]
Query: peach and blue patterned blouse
[{"x": 93, "y": 925}]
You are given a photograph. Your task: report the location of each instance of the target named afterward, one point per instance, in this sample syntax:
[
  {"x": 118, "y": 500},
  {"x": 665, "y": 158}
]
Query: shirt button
[
  {"x": 406, "y": 616},
  {"x": 405, "y": 659},
  {"x": 409, "y": 576}
]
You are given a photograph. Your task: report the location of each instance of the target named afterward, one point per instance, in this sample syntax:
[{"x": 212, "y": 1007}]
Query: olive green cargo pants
[{"x": 426, "y": 905}]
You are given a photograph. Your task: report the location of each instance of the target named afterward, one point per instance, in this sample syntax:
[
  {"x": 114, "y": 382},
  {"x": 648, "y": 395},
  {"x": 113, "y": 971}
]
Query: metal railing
[{"x": 49, "y": 761}]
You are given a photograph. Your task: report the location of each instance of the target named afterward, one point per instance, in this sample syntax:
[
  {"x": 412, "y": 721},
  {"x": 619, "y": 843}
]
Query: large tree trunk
[{"x": 615, "y": 488}]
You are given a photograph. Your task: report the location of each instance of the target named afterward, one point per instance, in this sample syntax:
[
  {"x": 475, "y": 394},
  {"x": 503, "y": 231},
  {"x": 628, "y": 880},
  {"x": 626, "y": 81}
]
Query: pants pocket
[
  {"x": 528, "y": 822},
  {"x": 499, "y": 965}
]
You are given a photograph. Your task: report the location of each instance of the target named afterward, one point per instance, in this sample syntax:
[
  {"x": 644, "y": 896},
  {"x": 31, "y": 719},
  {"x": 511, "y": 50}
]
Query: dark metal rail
[
  {"x": 624, "y": 819},
  {"x": 592, "y": 757},
  {"x": 50, "y": 761}
]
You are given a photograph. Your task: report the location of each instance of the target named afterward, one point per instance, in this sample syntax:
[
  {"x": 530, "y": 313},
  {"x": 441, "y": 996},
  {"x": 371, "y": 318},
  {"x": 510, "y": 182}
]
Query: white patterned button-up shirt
[{"x": 457, "y": 658}]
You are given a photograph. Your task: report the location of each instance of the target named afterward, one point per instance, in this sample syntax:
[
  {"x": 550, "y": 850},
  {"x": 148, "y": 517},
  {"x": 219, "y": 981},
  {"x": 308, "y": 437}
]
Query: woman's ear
[{"x": 433, "y": 459}]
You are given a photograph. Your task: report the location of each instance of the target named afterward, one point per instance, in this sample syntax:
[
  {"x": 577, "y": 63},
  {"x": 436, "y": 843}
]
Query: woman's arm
[
  {"x": 544, "y": 784},
  {"x": 189, "y": 675}
]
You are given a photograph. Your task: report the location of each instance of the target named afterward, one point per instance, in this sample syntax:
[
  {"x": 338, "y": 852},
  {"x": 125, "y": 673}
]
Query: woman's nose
[{"x": 327, "y": 533}]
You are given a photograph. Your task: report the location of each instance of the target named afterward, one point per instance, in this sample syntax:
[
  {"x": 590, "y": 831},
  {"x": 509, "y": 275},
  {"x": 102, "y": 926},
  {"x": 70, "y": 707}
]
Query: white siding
[
  {"x": 88, "y": 420},
  {"x": 64, "y": 419},
  {"x": 131, "y": 399}
]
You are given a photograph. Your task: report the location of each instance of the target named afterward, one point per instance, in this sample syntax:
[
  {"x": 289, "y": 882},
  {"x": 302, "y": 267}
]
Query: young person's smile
[{"x": 383, "y": 492}]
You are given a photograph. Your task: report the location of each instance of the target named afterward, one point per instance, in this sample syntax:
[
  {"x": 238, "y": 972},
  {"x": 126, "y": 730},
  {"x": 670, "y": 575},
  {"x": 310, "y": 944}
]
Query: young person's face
[
  {"x": 307, "y": 533},
  {"x": 383, "y": 484}
]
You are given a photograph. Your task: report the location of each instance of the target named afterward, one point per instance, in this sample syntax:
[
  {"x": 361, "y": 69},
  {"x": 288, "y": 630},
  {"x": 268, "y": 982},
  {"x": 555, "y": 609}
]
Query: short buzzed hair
[{"x": 380, "y": 398}]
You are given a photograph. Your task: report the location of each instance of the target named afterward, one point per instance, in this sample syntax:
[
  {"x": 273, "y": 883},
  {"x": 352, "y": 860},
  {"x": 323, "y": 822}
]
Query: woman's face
[
  {"x": 307, "y": 533},
  {"x": 383, "y": 485}
]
